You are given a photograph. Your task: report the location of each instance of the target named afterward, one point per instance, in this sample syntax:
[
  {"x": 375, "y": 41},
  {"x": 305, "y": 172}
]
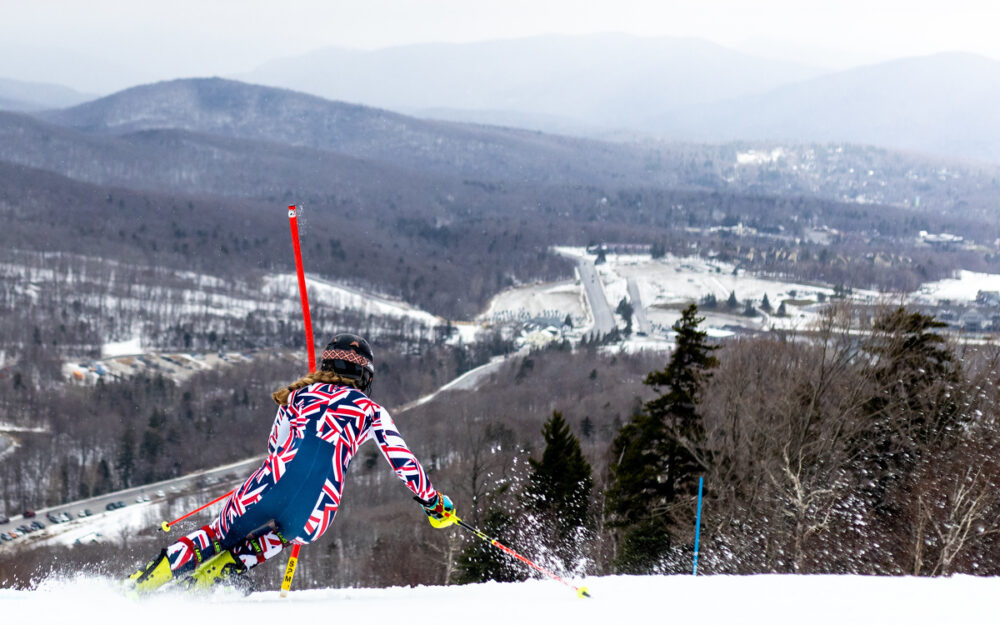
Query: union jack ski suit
[{"x": 294, "y": 495}]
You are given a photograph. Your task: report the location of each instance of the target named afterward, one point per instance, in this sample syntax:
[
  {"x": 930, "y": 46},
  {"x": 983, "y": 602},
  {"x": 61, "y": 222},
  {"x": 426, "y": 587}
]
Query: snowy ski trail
[{"x": 765, "y": 599}]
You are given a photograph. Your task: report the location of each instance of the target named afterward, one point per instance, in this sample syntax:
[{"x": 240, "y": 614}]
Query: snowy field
[
  {"x": 764, "y": 599},
  {"x": 962, "y": 288},
  {"x": 665, "y": 287},
  {"x": 284, "y": 287},
  {"x": 556, "y": 299},
  {"x": 668, "y": 284}
]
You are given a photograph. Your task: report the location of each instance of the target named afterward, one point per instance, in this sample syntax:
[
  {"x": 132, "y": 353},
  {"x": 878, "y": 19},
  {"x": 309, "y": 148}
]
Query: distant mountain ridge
[
  {"x": 604, "y": 79},
  {"x": 679, "y": 89},
  {"x": 17, "y": 95},
  {"x": 171, "y": 159},
  {"x": 603, "y": 86},
  {"x": 184, "y": 134},
  {"x": 266, "y": 114},
  {"x": 226, "y": 107},
  {"x": 945, "y": 104}
]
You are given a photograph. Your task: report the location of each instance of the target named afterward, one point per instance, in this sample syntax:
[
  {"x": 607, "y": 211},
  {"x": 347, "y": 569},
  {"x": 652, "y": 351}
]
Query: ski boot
[
  {"x": 222, "y": 568},
  {"x": 149, "y": 578}
]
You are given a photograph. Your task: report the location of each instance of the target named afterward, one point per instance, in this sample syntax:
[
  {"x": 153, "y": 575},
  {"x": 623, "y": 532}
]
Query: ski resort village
[{"x": 638, "y": 298}]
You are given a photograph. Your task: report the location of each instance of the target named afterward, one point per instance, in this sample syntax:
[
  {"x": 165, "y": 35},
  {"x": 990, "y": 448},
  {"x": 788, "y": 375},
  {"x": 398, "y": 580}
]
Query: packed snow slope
[{"x": 766, "y": 599}]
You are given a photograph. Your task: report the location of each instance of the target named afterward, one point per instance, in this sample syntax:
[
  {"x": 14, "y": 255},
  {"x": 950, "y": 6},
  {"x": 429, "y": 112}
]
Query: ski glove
[{"x": 440, "y": 511}]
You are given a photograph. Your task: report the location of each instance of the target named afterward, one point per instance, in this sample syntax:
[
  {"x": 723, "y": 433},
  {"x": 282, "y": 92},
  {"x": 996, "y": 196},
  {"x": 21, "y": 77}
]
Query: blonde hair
[{"x": 281, "y": 395}]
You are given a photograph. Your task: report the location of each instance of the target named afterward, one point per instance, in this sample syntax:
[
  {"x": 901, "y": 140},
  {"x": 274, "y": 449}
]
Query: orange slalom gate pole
[{"x": 293, "y": 223}]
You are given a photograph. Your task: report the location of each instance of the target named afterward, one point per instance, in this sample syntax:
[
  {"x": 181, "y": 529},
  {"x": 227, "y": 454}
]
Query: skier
[{"x": 322, "y": 419}]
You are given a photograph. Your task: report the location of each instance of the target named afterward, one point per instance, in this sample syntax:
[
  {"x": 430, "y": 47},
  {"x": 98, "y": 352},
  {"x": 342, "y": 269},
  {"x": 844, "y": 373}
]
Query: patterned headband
[{"x": 343, "y": 354}]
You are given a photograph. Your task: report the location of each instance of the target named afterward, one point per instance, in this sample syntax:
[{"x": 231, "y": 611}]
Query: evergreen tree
[
  {"x": 782, "y": 311},
  {"x": 625, "y": 310},
  {"x": 559, "y": 488},
  {"x": 915, "y": 409},
  {"x": 125, "y": 462},
  {"x": 732, "y": 302},
  {"x": 659, "y": 454},
  {"x": 104, "y": 483},
  {"x": 765, "y": 304},
  {"x": 152, "y": 444}
]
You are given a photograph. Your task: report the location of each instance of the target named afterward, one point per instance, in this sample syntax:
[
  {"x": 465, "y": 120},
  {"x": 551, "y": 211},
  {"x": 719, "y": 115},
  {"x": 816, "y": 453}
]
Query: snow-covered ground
[
  {"x": 555, "y": 300},
  {"x": 668, "y": 284},
  {"x": 962, "y": 288},
  {"x": 764, "y": 599},
  {"x": 340, "y": 297},
  {"x": 130, "y": 347},
  {"x": 9, "y": 427},
  {"x": 665, "y": 286},
  {"x": 8, "y": 443}
]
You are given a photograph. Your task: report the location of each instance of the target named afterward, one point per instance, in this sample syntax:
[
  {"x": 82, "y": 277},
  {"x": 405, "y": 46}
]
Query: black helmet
[{"x": 350, "y": 356}]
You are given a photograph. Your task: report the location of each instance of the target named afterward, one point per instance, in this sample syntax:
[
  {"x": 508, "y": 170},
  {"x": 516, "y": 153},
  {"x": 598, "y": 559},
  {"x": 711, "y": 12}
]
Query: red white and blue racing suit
[{"x": 294, "y": 495}]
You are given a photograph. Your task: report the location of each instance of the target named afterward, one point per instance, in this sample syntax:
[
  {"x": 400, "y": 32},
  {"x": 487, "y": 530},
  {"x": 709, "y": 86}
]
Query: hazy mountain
[
  {"x": 12, "y": 104},
  {"x": 252, "y": 112},
  {"x": 231, "y": 138},
  {"x": 942, "y": 104},
  {"x": 688, "y": 89},
  {"x": 16, "y": 95},
  {"x": 188, "y": 162},
  {"x": 831, "y": 58},
  {"x": 85, "y": 69},
  {"x": 606, "y": 80}
]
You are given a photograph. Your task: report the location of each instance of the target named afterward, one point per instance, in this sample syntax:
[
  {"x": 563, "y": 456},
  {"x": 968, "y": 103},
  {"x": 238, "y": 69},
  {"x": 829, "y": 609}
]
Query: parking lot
[{"x": 34, "y": 525}]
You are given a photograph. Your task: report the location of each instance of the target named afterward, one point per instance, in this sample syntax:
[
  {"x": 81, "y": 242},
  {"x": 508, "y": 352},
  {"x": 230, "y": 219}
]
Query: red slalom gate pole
[
  {"x": 166, "y": 524},
  {"x": 581, "y": 591},
  {"x": 293, "y": 224}
]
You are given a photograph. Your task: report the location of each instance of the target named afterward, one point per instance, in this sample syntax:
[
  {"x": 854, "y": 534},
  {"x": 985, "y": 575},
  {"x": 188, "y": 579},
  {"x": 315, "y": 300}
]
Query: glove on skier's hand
[{"x": 440, "y": 511}]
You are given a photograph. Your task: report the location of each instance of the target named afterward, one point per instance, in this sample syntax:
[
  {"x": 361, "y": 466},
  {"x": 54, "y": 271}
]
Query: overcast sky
[{"x": 103, "y": 45}]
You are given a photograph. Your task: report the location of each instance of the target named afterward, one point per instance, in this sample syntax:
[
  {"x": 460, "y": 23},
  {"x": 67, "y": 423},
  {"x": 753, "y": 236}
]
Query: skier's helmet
[{"x": 351, "y": 357}]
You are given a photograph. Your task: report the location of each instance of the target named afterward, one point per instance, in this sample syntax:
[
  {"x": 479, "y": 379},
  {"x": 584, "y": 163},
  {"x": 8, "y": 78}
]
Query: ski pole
[
  {"x": 293, "y": 224},
  {"x": 166, "y": 524},
  {"x": 581, "y": 591}
]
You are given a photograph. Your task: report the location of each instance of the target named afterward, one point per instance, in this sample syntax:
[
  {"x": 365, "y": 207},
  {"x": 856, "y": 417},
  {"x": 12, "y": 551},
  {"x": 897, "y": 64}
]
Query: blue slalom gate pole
[{"x": 697, "y": 525}]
